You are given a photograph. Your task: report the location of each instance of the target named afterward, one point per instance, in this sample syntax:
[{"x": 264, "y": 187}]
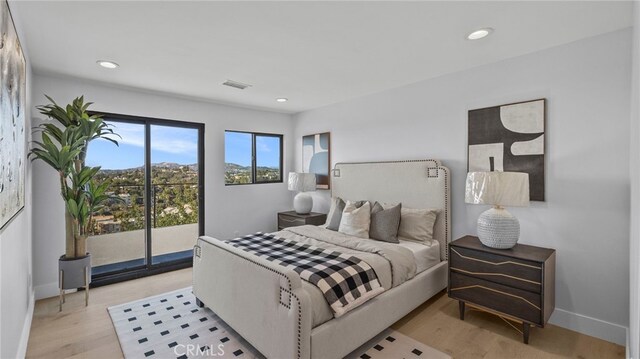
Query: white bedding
[
  {"x": 426, "y": 255},
  {"x": 394, "y": 264}
]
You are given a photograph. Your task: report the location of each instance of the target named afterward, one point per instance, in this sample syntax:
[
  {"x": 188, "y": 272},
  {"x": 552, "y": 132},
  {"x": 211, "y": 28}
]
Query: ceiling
[{"x": 313, "y": 53}]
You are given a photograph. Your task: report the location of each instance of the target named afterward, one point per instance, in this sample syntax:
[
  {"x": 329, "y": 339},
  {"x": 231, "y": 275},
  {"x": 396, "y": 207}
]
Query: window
[{"x": 252, "y": 158}]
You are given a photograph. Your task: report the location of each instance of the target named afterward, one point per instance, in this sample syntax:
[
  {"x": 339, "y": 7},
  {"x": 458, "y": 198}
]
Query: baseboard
[
  {"x": 47, "y": 290},
  {"x": 627, "y": 353},
  {"x": 26, "y": 329},
  {"x": 590, "y": 326}
]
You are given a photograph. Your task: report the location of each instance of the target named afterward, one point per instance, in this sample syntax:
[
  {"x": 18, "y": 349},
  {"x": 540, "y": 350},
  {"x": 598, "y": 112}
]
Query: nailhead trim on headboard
[
  {"x": 439, "y": 167},
  {"x": 447, "y": 216}
]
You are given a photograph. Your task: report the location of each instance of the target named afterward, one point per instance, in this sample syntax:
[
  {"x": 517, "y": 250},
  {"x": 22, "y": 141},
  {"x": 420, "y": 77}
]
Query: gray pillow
[
  {"x": 385, "y": 223},
  {"x": 335, "y": 214}
]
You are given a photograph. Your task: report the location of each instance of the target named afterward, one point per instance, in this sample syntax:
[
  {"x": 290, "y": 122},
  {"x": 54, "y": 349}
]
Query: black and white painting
[
  {"x": 12, "y": 118},
  {"x": 510, "y": 138},
  {"x": 316, "y": 157}
]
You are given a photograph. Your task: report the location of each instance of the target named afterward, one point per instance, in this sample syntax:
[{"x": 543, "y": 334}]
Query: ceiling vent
[{"x": 236, "y": 84}]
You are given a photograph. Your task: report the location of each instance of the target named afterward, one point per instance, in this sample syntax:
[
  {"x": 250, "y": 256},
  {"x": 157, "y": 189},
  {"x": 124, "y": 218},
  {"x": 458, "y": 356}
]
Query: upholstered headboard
[{"x": 414, "y": 183}]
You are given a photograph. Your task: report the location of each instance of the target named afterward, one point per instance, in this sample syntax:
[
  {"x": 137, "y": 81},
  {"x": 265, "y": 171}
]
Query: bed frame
[{"x": 265, "y": 303}]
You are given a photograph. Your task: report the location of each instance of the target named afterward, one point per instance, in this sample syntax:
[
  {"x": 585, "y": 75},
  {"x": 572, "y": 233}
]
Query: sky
[
  {"x": 168, "y": 144},
  {"x": 178, "y": 145},
  {"x": 237, "y": 148}
]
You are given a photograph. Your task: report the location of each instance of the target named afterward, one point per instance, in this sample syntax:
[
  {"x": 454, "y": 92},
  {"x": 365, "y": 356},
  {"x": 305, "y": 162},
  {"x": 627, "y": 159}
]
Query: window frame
[{"x": 254, "y": 157}]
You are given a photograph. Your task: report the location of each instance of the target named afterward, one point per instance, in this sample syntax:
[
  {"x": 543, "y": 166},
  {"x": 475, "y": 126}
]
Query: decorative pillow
[
  {"x": 335, "y": 214},
  {"x": 359, "y": 204},
  {"x": 417, "y": 224},
  {"x": 385, "y": 223},
  {"x": 355, "y": 221},
  {"x": 387, "y": 205}
]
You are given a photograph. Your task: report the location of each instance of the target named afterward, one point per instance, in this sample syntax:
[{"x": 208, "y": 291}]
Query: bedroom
[{"x": 397, "y": 84}]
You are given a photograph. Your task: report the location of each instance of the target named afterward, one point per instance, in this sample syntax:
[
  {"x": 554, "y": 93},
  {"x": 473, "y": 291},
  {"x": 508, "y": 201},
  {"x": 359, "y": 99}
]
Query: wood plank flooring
[
  {"x": 80, "y": 332},
  {"x": 482, "y": 335}
]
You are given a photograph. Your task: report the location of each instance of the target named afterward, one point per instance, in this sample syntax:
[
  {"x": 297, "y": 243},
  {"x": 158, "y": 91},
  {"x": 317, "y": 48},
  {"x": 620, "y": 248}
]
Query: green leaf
[{"x": 72, "y": 206}]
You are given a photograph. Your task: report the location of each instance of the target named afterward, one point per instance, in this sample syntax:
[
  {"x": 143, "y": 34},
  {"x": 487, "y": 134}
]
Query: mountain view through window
[{"x": 252, "y": 158}]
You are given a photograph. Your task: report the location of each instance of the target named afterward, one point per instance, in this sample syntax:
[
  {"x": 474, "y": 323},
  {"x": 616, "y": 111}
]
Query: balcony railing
[
  {"x": 127, "y": 246},
  {"x": 119, "y": 234}
]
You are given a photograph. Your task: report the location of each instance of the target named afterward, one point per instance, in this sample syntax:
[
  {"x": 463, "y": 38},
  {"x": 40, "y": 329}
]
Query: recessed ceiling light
[
  {"x": 282, "y": 99},
  {"x": 479, "y": 34},
  {"x": 107, "y": 64}
]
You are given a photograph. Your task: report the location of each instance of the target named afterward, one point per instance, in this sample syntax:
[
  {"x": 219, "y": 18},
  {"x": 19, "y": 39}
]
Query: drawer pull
[
  {"x": 492, "y": 263},
  {"x": 295, "y": 220},
  {"x": 495, "y": 274},
  {"x": 496, "y": 291}
]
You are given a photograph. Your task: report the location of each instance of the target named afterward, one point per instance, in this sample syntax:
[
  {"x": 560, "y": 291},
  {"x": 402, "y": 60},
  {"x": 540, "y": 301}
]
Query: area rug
[
  {"x": 392, "y": 344},
  {"x": 171, "y": 325}
]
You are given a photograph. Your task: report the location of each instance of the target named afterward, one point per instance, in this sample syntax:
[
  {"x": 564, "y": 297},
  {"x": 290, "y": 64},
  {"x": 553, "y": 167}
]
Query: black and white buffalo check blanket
[{"x": 345, "y": 281}]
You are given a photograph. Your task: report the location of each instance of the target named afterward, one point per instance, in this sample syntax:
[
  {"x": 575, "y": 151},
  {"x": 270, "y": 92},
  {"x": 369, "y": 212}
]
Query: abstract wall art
[
  {"x": 12, "y": 118},
  {"x": 316, "y": 157},
  {"x": 510, "y": 138}
]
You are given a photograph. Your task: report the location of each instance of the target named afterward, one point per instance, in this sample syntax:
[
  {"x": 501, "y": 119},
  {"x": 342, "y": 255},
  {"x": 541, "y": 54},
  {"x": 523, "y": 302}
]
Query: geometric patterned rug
[
  {"x": 393, "y": 344},
  {"x": 171, "y": 325}
]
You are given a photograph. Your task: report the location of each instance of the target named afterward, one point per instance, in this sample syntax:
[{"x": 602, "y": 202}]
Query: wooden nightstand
[
  {"x": 292, "y": 219},
  {"x": 517, "y": 284}
]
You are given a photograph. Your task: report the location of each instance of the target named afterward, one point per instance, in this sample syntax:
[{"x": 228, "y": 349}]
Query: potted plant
[{"x": 64, "y": 147}]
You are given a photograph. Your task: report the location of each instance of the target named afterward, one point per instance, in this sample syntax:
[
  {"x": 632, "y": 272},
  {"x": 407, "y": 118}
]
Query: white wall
[
  {"x": 16, "y": 290},
  {"x": 634, "y": 243},
  {"x": 227, "y": 209},
  {"x": 586, "y": 215}
]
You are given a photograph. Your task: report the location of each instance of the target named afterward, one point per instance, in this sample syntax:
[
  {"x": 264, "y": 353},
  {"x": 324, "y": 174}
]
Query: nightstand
[
  {"x": 517, "y": 284},
  {"x": 292, "y": 219}
]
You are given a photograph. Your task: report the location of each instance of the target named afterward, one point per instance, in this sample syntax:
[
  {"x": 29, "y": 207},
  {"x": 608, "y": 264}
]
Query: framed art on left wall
[{"x": 12, "y": 118}]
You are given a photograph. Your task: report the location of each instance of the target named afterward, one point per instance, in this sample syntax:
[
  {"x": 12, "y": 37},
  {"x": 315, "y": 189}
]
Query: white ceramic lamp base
[
  {"x": 302, "y": 203},
  {"x": 498, "y": 228}
]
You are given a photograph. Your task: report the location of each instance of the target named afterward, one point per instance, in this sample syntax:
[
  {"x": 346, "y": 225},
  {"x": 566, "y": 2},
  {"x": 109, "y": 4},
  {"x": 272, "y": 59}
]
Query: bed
[{"x": 283, "y": 316}]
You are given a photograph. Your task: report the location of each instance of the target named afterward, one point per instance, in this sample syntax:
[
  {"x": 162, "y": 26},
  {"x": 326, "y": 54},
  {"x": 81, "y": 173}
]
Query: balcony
[
  {"x": 119, "y": 240},
  {"x": 128, "y": 246}
]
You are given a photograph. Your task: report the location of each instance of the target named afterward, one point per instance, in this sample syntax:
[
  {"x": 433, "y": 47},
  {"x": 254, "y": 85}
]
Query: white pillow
[
  {"x": 417, "y": 224},
  {"x": 355, "y": 221}
]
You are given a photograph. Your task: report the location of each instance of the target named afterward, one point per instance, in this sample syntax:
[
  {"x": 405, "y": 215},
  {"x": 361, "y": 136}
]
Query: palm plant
[{"x": 64, "y": 147}]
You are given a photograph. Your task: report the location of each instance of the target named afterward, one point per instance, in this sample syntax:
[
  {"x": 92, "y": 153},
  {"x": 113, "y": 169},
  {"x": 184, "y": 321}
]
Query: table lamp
[
  {"x": 302, "y": 182},
  {"x": 497, "y": 228}
]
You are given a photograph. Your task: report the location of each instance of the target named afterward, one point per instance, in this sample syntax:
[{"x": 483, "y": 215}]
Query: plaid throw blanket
[{"x": 345, "y": 281}]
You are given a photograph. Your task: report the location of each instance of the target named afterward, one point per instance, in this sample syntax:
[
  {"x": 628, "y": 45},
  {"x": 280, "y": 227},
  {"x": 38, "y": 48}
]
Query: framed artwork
[
  {"x": 510, "y": 138},
  {"x": 12, "y": 118},
  {"x": 316, "y": 157}
]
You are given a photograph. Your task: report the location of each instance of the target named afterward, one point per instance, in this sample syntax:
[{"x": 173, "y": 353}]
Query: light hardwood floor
[{"x": 80, "y": 332}]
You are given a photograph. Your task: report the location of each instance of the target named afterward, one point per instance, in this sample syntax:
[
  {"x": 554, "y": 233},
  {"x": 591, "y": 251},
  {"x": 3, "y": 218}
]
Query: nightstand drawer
[
  {"x": 495, "y": 268},
  {"x": 511, "y": 301},
  {"x": 285, "y": 221}
]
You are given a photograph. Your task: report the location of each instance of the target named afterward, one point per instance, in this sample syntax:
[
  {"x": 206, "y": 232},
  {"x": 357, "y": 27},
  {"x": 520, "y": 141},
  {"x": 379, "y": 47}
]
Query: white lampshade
[
  {"x": 498, "y": 188},
  {"x": 302, "y": 182}
]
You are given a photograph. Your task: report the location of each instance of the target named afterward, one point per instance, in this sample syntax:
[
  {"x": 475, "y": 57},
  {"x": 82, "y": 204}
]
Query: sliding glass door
[
  {"x": 175, "y": 192},
  {"x": 118, "y": 240},
  {"x": 156, "y": 175}
]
